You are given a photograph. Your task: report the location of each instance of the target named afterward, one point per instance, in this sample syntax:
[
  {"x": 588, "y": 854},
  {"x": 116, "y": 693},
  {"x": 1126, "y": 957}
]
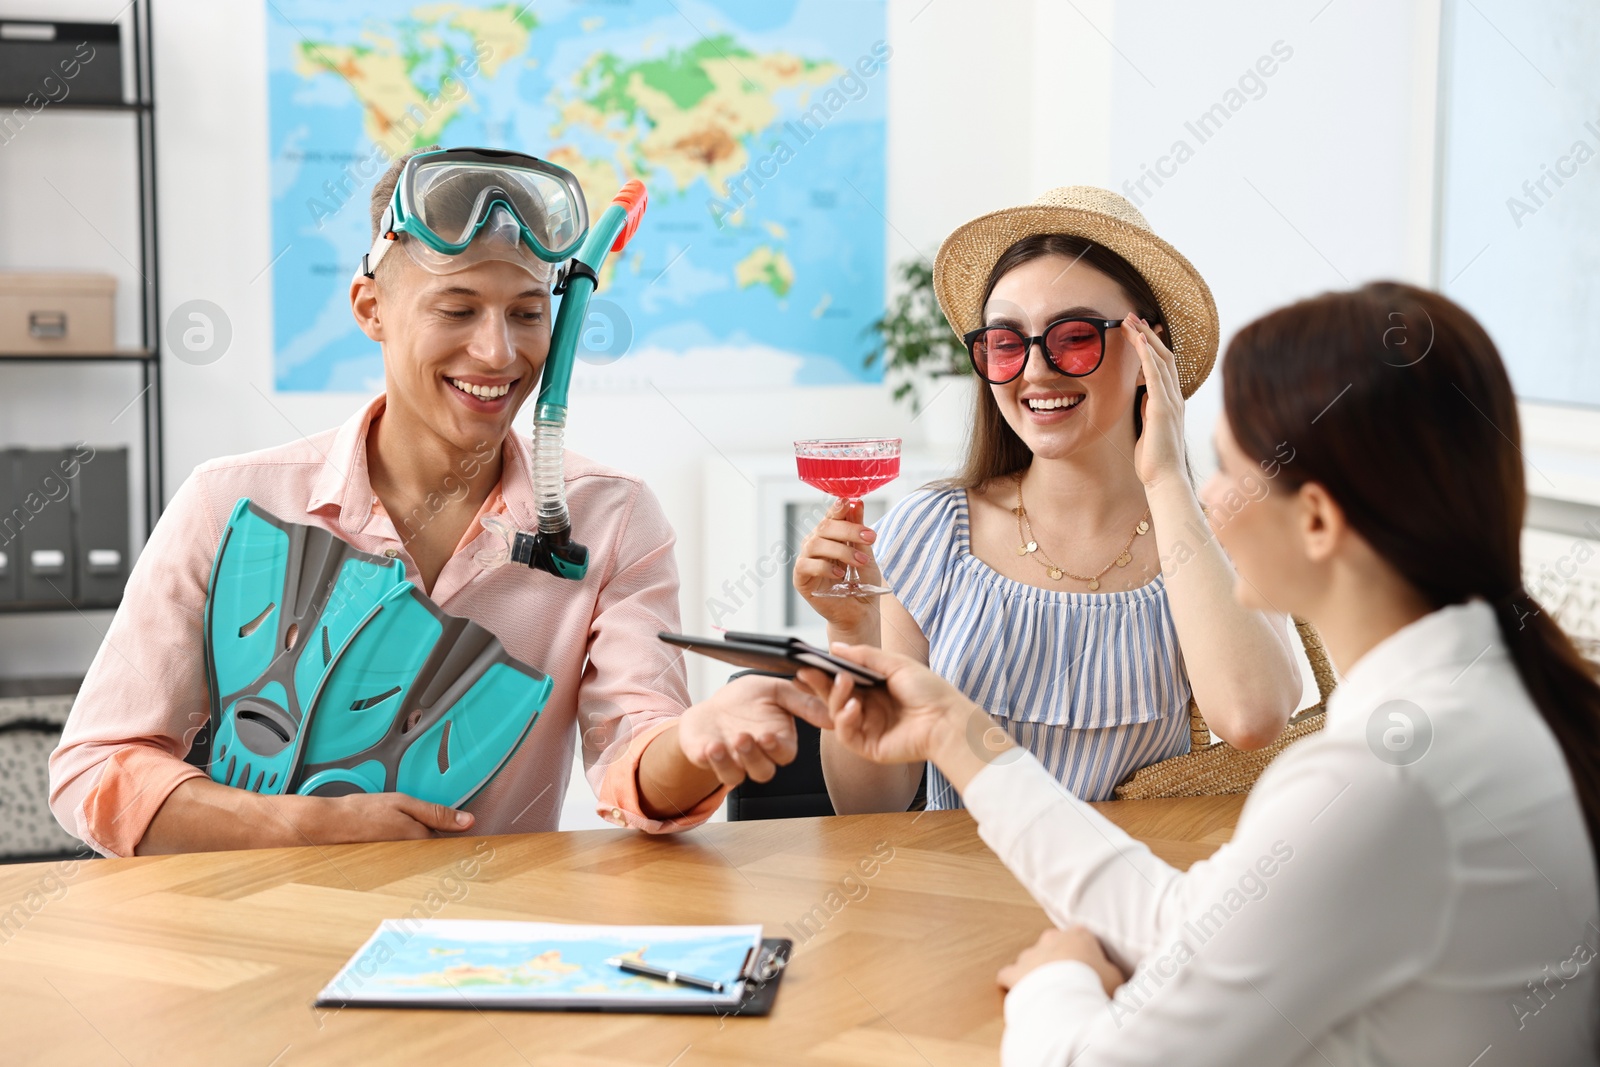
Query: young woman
[
  {"x": 1064, "y": 579},
  {"x": 1415, "y": 884}
]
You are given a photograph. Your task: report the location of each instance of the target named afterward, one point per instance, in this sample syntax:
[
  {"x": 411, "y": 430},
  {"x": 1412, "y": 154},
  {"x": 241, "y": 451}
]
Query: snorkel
[{"x": 551, "y": 547}]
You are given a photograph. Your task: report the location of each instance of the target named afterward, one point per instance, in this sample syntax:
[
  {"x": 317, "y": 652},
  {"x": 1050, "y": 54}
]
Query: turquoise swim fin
[
  {"x": 419, "y": 702},
  {"x": 282, "y": 602}
]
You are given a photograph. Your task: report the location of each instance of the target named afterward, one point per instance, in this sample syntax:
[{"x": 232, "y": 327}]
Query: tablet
[{"x": 777, "y": 655}]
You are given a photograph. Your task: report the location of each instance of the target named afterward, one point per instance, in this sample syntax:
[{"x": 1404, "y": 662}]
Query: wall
[{"x": 1321, "y": 177}]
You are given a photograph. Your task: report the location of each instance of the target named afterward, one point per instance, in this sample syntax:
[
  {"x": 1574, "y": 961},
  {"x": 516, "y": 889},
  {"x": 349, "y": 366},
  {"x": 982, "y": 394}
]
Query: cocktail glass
[{"x": 849, "y": 468}]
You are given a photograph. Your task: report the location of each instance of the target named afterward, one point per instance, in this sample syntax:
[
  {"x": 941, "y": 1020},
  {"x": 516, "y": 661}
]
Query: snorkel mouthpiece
[{"x": 555, "y": 553}]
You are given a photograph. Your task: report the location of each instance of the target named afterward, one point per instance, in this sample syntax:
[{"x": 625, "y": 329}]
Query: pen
[{"x": 675, "y": 977}]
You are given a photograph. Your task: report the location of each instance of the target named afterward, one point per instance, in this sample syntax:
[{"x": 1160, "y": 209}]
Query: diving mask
[{"x": 460, "y": 206}]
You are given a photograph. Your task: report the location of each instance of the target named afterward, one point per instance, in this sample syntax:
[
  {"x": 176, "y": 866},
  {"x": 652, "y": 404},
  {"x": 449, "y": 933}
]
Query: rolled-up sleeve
[
  {"x": 144, "y": 697},
  {"x": 635, "y": 685}
]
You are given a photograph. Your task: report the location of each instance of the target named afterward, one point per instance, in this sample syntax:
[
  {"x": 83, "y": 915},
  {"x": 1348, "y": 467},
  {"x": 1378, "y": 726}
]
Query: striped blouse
[{"x": 1091, "y": 683}]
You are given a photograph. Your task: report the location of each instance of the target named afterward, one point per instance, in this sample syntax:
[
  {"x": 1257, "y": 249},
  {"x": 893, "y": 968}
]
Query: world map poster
[{"x": 757, "y": 126}]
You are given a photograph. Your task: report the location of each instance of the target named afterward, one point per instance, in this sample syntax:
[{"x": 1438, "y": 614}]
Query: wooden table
[{"x": 216, "y": 958}]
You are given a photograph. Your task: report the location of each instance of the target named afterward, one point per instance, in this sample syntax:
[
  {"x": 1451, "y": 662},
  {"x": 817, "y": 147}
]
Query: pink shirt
[{"x": 145, "y": 695}]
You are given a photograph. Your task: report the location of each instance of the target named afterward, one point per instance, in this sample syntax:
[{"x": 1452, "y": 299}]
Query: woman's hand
[
  {"x": 1073, "y": 943},
  {"x": 916, "y": 715},
  {"x": 746, "y": 729},
  {"x": 1158, "y": 454},
  {"x": 839, "y": 540}
]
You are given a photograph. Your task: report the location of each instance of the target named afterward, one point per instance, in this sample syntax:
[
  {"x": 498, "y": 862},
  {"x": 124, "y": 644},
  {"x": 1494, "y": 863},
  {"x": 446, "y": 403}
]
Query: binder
[
  {"x": 12, "y": 519},
  {"x": 100, "y": 515},
  {"x": 44, "y": 62},
  {"x": 40, "y": 479}
]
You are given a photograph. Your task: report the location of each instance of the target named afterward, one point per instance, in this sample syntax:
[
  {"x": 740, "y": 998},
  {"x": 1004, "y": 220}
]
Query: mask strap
[{"x": 380, "y": 248}]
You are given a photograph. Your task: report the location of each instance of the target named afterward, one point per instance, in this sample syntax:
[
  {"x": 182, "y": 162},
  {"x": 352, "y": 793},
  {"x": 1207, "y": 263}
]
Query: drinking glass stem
[{"x": 852, "y": 577}]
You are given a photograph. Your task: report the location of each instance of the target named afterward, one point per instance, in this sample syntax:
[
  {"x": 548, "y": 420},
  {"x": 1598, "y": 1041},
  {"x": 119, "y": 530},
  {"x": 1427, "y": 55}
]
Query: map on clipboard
[{"x": 485, "y": 964}]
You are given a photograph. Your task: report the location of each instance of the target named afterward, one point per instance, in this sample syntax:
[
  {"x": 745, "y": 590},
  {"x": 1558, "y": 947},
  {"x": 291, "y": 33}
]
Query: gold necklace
[{"x": 1030, "y": 546}]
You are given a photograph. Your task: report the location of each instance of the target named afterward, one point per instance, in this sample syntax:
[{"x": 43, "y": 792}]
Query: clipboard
[
  {"x": 783, "y": 656},
  {"x": 762, "y": 974},
  {"x": 455, "y": 964}
]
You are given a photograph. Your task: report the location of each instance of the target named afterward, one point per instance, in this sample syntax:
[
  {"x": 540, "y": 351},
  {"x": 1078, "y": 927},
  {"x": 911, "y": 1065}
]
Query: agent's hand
[
  {"x": 746, "y": 729},
  {"x": 916, "y": 716},
  {"x": 1158, "y": 454},
  {"x": 839, "y": 540},
  {"x": 1073, "y": 943},
  {"x": 363, "y": 817}
]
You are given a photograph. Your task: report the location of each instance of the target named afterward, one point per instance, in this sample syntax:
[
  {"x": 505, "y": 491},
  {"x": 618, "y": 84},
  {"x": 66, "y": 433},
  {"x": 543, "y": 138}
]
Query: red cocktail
[
  {"x": 848, "y": 477},
  {"x": 849, "y": 469}
]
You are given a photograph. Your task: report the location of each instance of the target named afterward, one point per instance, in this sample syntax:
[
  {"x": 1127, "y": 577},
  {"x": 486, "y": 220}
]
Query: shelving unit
[{"x": 147, "y": 355}]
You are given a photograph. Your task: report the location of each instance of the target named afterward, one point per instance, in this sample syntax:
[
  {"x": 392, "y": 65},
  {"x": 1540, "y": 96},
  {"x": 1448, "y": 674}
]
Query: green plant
[{"x": 913, "y": 338}]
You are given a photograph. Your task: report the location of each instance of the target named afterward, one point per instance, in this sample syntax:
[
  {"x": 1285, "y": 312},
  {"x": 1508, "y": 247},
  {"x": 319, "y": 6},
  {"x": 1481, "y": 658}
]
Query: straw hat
[{"x": 968, "y": 255}]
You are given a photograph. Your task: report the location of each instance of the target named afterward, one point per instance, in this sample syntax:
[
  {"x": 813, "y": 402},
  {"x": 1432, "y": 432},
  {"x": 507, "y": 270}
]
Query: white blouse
[{"x": 1412, "y": 885}]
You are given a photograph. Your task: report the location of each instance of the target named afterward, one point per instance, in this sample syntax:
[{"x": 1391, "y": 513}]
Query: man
[{"x": 465, "y": 333}]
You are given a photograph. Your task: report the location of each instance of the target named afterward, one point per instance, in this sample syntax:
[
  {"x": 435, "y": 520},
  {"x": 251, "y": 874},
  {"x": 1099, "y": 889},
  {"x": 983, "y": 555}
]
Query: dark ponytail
[
  {"x": 1562, "y": 684},
  {"x": 1397, "y": 403}
]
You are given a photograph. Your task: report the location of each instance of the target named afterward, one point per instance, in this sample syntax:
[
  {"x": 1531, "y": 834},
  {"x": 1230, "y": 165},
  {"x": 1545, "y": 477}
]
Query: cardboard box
[{"x": 57, "y": 314}]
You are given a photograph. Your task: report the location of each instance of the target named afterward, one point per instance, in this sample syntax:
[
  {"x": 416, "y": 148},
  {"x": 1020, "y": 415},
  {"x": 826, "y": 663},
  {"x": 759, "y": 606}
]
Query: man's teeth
[
  {"x": 1055, "y": 402},
  {"x": 482, "y": 392}
]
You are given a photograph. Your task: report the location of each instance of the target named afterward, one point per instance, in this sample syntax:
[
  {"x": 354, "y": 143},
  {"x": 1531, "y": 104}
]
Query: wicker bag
[
  {"x": 32, "y": 713},
  {"x": 1210, "y": 768}
]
